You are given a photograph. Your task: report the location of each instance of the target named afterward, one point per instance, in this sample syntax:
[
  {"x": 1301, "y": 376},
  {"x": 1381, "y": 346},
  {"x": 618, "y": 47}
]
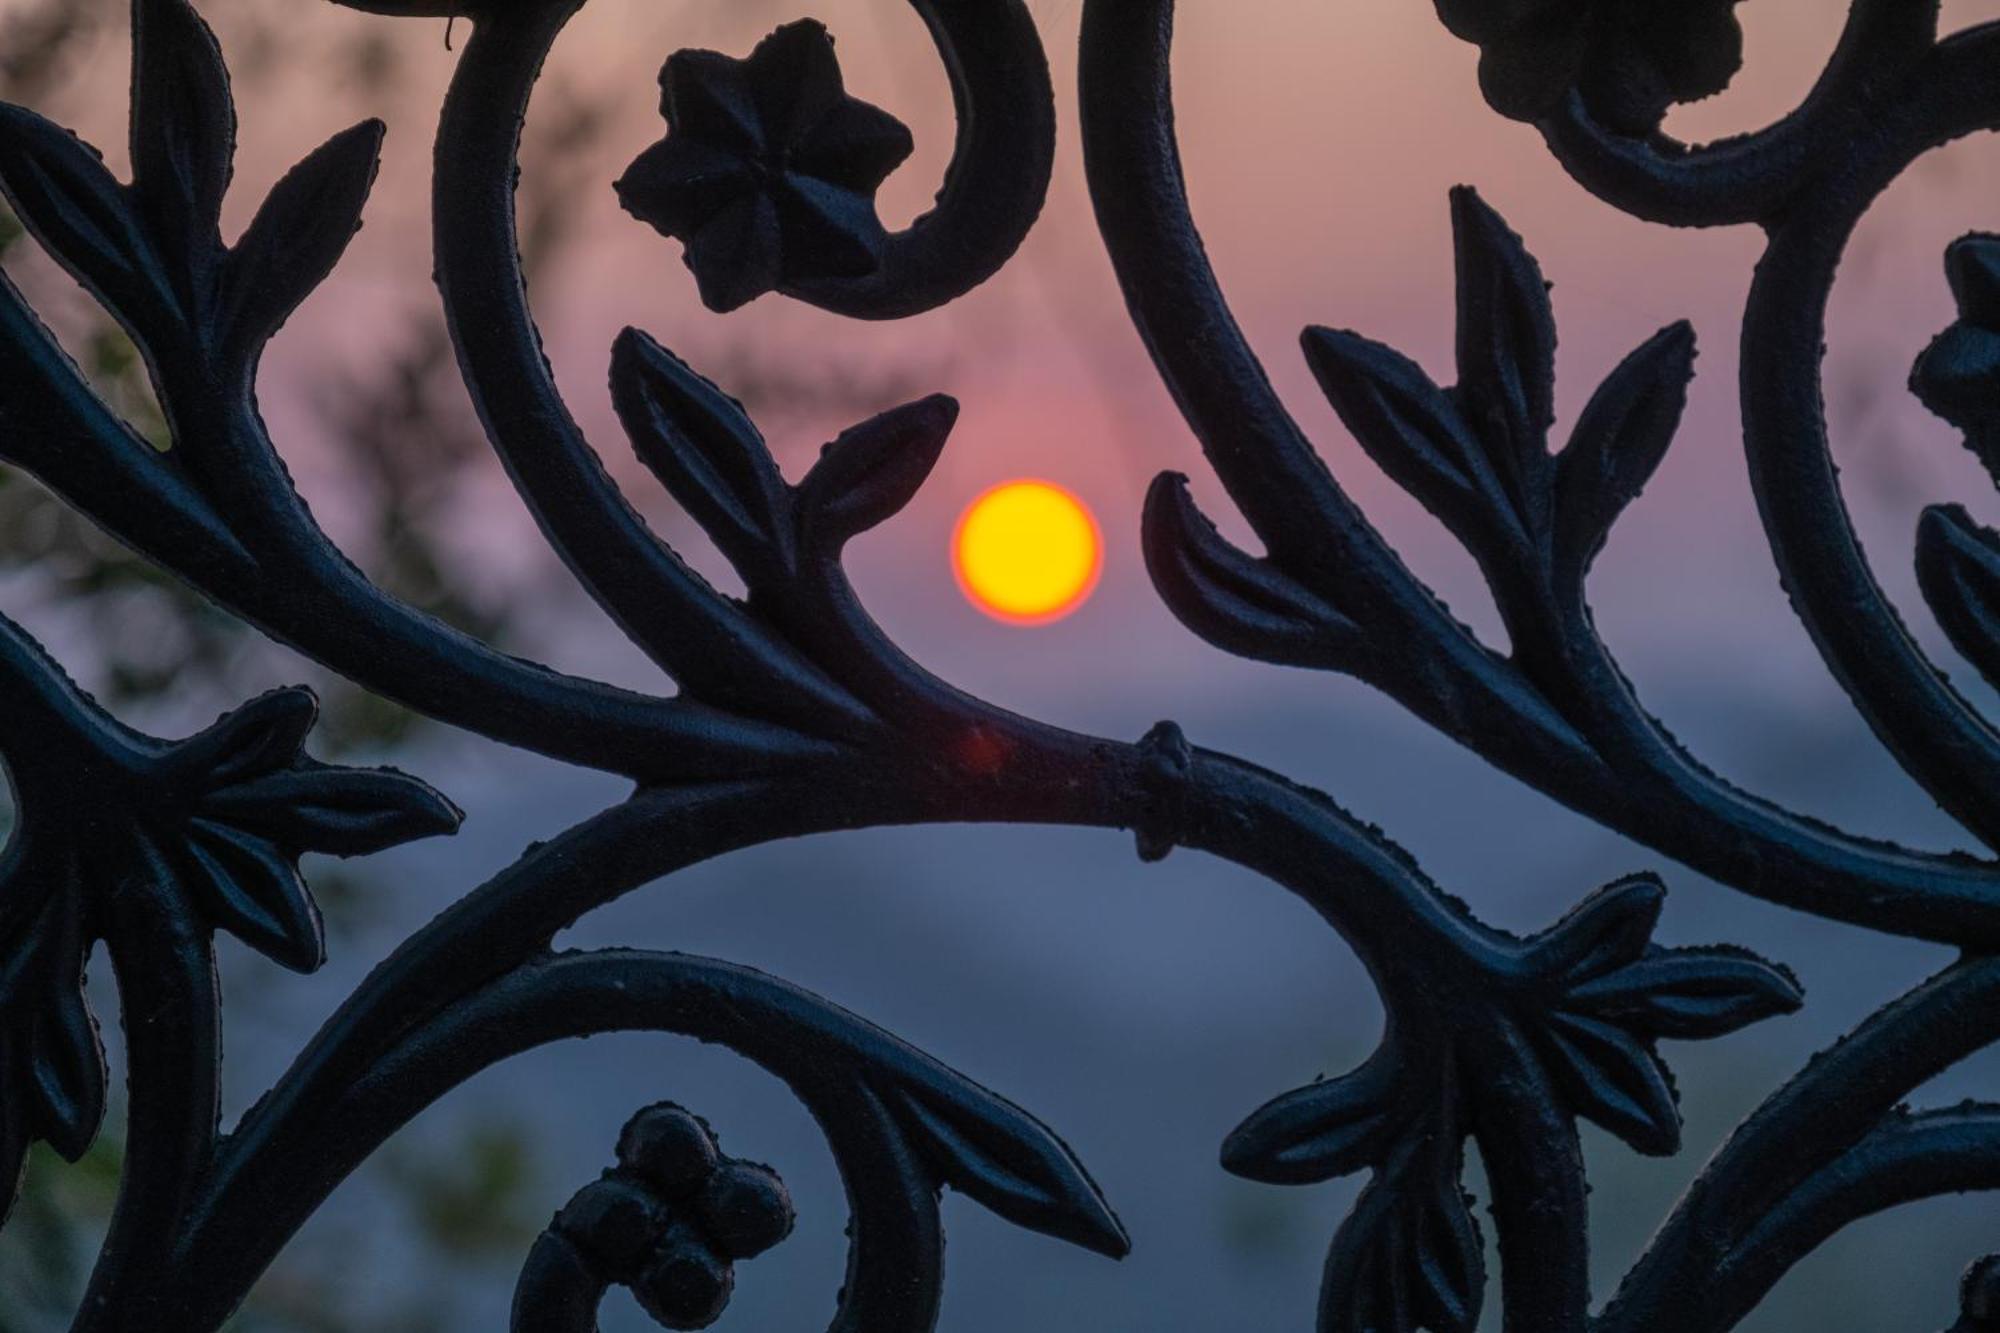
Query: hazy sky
[{"x": 1320, "y": 140}]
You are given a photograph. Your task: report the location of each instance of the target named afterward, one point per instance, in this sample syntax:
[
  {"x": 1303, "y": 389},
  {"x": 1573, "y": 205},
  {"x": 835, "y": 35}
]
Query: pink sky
[{"x": 1320, "y": 139}]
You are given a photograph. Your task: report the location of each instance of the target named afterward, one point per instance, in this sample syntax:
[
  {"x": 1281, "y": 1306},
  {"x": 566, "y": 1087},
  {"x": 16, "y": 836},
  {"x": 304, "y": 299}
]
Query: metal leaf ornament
[
  {"x": 259, "y": 803},
  {"x": 1590, "y": 997},
  {"x": 152, "y": 250},
  {"x": 1611, "y": 995},
  {"x": 226, "y": 814},
  {"x": 1477, "y": 454},
  {"x": 769, "y": 170},
  {"x": 1409, "y": 1255},
  {"x": 1958, "y": 376},
  {"x": 51, "y": 1059}
]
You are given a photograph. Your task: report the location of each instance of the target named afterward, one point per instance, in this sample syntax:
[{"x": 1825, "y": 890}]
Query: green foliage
[
  {"x": 478, "y": 1202},
  {"x": 45, "y": 1257}
]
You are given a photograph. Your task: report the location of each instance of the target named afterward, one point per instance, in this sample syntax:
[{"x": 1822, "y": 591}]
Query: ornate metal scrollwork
[{"x": 796, "y": 714}]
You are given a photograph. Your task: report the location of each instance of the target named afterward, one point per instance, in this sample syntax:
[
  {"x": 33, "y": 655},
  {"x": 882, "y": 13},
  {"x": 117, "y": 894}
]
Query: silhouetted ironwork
[{"x": 797, "y": 715}]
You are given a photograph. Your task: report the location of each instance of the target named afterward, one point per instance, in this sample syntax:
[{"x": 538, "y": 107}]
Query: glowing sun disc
[{"x": 1027, "y": 552}]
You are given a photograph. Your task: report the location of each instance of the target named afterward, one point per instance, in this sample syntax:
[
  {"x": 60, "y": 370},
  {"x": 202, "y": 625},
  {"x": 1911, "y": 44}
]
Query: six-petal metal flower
[
  {"x": 769, "y": 170},
  {"x": 1631, "y": 58},
  {"x": 223, "y": 818}
]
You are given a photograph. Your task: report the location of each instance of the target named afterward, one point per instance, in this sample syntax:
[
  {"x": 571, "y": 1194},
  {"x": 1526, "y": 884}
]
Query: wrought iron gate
[{"x": 797, "y": 715}]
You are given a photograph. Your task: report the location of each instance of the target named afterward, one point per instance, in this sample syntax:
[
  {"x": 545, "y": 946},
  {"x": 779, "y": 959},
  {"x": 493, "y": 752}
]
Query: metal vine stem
[{"x": 795, "y": 713}]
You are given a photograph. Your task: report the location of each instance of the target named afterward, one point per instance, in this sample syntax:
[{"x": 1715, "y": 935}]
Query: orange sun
[{"x": 1027, "y": 552}]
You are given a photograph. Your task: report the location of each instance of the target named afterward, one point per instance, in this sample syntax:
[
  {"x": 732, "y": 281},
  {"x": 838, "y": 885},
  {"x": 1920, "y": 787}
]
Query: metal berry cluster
[
  {"x": 669, "y": 1222},
  {"x": 795, "y": 714}
]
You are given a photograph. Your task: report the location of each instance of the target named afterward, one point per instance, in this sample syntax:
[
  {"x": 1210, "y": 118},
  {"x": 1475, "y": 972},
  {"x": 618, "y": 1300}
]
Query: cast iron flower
[
  {"x": 769, "y": 170},
  {"x": 1958, "y": 376},
  {"x": 1631, "y": 58},
  {"x": 119, "y": 833}
]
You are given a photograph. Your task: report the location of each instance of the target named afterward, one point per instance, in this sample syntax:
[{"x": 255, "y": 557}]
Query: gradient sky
[{"x": 1320, "y": 140}]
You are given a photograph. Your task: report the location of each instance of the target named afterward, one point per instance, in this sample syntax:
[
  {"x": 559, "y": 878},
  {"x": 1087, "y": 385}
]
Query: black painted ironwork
[{"x": 797, "y": 715}]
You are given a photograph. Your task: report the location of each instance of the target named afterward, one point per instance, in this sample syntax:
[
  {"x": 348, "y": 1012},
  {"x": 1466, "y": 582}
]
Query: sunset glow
[{"x": 1027, "y": 552}]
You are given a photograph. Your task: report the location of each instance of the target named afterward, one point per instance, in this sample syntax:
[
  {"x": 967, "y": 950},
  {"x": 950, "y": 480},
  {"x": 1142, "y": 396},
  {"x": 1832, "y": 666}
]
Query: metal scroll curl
[
  {"x": 1595, "y": 76},
  {"x": 796, "y": 714},
  {"x": 993, "y": 189},
  {"x": 667, "y": 1221}
]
